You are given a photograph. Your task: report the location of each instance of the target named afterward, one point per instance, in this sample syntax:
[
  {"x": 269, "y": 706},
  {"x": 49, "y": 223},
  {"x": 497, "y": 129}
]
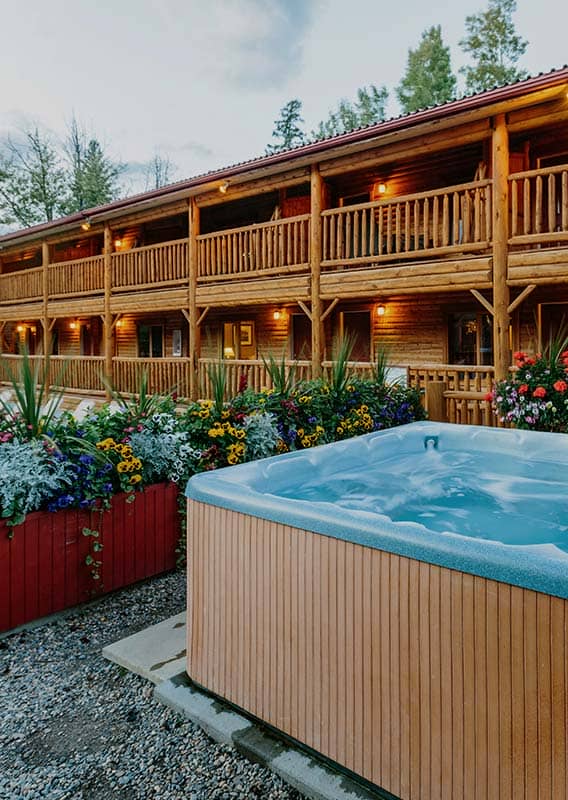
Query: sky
[{"x": 201, "y": 82}]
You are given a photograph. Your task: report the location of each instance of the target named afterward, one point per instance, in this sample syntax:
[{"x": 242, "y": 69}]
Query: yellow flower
[
  {"x": 225, "y": 414},
  {"x": 204, "y": 414},
  {"x": 350, "y": 388},
  {"x": 233, "y": 459},
  {"x": 300, "y": 432},
  {"x": 305, "y": 441},
  {"x": 106, "y": 444},
  {"x": 135, "y": 479},
  {"x": 239, "y": 434},
  {"x": 123, "y": 466}
]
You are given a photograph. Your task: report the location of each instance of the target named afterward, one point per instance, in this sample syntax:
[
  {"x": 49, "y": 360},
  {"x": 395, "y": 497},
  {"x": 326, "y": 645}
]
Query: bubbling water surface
[{"x": 482, "y": 495}]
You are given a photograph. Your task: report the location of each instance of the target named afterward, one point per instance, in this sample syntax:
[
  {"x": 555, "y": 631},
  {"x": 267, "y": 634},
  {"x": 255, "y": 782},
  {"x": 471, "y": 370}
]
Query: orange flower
[
  {"x": 560, "y": 386},
  {"x": 540, "y": 391},
  {"x": 523, "y": 388}
]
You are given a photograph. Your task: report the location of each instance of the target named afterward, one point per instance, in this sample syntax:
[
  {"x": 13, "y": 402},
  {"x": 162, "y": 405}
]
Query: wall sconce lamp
[
  {"x": 117, "y": 244},
  {"x": 21, "y": 328},
  {"x": 381, "y": 188},
  {"x": 381, "y": 310},
  {"x": 278, "y": 314},
  {"x": 74, "y": 325},
  {"x": 223, "y": 187},
  {"x": 86, "y": 224}
]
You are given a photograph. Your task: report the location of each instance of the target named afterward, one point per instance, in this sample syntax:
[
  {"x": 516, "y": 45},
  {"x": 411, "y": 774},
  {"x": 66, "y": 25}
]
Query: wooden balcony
[
  {"x": 271, "y": 248},
  {"x": 434, "y": 240}
]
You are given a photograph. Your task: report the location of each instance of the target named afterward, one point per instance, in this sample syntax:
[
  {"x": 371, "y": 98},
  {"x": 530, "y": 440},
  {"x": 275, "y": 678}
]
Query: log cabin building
[{"x": 442, "y": 235}]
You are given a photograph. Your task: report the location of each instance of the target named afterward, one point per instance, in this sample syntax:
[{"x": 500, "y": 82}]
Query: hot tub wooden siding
[{"x": 428, "y": 682}]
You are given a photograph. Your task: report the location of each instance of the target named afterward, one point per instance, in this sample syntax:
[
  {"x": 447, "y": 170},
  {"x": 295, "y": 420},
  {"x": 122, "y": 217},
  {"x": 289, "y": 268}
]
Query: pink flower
[
  {"x": 560, "y": 386},
  {"x": 540, "y": 391}
]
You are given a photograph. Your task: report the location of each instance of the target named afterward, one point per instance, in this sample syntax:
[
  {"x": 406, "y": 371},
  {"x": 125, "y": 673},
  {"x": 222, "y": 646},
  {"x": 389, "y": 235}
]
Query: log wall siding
[{"x": 431, "y": 683}]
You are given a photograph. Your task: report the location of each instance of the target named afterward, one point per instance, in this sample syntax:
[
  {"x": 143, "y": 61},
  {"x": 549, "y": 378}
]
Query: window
[
  {"x": 470, "y": 338},
  {"x": 239, "y": 340},
  {"x": 150, "y": 341}
]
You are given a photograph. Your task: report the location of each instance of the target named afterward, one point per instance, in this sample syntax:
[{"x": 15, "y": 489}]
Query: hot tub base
[{"x": 426, "y": 681}]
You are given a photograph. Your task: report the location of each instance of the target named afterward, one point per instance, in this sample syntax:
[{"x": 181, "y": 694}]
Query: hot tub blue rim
[{"x": 523, "y": 566}]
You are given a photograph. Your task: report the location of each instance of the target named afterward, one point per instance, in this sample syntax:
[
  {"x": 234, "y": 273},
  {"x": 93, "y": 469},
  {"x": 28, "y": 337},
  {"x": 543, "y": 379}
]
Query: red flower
[
  {"x": 540, "y": 391},
  {"x": 523, "y": 388},
  {"x": 520, "y": 356},
  {"x": 530, "y": 362},
  {"x": 560, "y": 386},
  {"x": 489, "y": 397}
]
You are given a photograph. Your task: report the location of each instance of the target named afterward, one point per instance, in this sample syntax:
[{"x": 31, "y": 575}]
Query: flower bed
[{"x": 54, "y": 561}]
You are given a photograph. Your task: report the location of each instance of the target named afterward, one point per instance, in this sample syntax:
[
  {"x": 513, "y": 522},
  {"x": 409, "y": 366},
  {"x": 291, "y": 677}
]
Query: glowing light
[
  {"x": 223, "y": 187},
  {"x": 381, "y": 310}
]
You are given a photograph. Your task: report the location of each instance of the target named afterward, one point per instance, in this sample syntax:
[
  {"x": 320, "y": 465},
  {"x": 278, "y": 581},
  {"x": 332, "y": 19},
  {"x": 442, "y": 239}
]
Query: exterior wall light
[
  {"x": 86, "y": 224},
  {"x": 223, "y": 187},
  {"x": 381, "y": 310}
]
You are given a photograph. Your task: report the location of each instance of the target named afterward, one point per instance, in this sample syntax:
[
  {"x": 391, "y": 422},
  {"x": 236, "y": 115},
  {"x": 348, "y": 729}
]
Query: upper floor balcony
[{"x": 412, "y": 238}]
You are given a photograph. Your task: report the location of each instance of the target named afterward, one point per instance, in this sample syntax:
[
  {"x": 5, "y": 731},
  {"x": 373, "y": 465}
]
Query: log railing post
[
  {"x": 500, "y": 206},
  {"x": 316, "y": 186},
  {"x": 108, "y": 326},
  {"x": 45, "y": 318},
  {"x": 194, "y": 338}
]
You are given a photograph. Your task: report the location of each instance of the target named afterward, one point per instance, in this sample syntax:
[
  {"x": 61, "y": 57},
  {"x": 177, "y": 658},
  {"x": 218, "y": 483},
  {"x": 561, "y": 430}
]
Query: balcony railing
[
  {"x": 81, "y": 276},
  {"x": 539, "y": 206},
  {"x": 164, "y": 374},
  {"x": 269, "y": 248},
  {"x": 164, "y": 264},
  {"x": 25, "y": 285},
  {"x": 456, "y": 219}
]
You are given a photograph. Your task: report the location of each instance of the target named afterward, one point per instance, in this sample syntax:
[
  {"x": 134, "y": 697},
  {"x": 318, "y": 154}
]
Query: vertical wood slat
[{"x": 429, "y": 682}]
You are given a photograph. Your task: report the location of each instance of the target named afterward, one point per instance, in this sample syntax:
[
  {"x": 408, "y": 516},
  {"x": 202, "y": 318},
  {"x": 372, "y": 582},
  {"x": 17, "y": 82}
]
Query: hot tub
[{"x": 397, "y": 602}]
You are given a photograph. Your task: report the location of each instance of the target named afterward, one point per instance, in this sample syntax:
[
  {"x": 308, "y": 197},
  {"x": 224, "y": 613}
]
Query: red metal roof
[{"x": 498, "y": 94}]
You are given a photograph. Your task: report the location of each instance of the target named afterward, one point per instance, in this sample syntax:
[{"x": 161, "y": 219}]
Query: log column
[
  {"x": 108, "y": 326},
  {"x": 500, "y": 213},
  {"x": 316, "y": 184},
  {"x": 194, "y": 333},
  {"x": 45, "y": 317}
]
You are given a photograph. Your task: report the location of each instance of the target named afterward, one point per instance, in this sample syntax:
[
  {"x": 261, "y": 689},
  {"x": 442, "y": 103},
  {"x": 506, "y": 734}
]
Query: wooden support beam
[
  {"x": 523, "y": 296},
  {"x": 107, "y": 318},
  {"x": 185, "y": 312},
  {"x": 316, "y": 191},
  {"x": 330, "y": 308},
  {"x": 500, "y": 225},
  {"x": 305, "y": 309},
  {"x": 52, "y": 323},
  {"x": 202, "y": 316},
  {"x": 483, "y": 300},
  {"x": 194, "y": 321},
  {"x": 115, "y": 320},
  {"x": 45, "y": 319}
]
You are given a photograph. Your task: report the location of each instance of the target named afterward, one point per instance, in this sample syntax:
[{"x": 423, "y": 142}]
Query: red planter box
[{"x": 43, "y": 569}]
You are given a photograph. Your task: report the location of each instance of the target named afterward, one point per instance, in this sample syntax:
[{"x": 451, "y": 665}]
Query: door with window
[
  {"x": 470, "y": 338},
  {"x": 357, "y": 325}
]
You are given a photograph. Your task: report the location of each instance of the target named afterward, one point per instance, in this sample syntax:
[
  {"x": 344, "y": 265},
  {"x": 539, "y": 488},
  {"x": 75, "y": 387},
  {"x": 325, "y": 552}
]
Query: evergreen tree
[
  {"x": 33, "y": 182},
  {"x": 287, "y": 130},
  {"x": 92, "y": 175},
  {"x": 368, "y": 108},
  {"x": 495, "y": 47},
  {"x": 429, "y": 79}
]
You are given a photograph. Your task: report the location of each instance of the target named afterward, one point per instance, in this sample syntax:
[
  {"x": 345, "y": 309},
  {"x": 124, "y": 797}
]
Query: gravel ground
[{"x": 74, "y": 726}]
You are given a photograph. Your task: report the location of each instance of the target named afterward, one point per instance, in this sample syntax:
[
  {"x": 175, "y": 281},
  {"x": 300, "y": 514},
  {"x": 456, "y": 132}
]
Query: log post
[
  {"x": 194, "y": 337},
  {"x": 108, "y": 326},
  {"x": 500, "y": 222},
  {"x": 435, "y": 402},
  {"x": 316, "y": 188},
  {"x": 45, "y": 318}
]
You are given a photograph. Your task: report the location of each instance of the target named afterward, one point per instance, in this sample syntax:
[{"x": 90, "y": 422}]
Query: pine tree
[
  {"x": 33, "y": 183},
  {"x": 494, "y": 46},
  {"x": 92, "y": 175},
  {"x": 368, "y": 108},
  {"x": 287, "y": 130},
  {"x": 428, "y": 80}
]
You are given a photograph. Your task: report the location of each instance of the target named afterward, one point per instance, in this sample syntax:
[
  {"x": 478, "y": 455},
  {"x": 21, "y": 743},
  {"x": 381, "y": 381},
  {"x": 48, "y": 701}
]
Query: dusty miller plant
[
  {"x": 262, "y": 436},
  {"x": 30, "y": 475}
]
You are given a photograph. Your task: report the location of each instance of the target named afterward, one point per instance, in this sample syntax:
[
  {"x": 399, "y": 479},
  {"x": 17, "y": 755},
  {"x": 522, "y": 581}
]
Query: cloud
[
  {"x": 249, "y": 44},
  {"x": 194, "y": 148}
]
